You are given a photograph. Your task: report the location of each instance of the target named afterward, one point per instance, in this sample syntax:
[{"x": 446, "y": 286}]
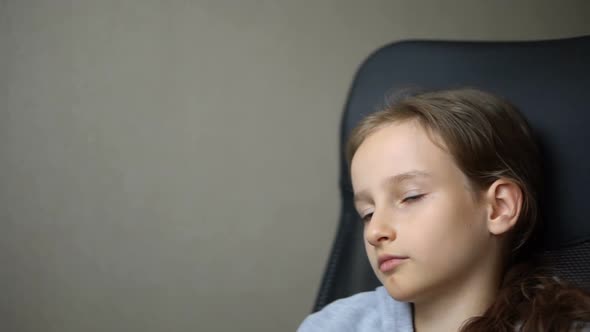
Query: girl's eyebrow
[
  {"x": 363, "y": 195},
  {"x": 406, "y": 176}
]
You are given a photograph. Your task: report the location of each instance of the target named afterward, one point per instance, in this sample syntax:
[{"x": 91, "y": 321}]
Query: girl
[{"x": 446, "y": 184}]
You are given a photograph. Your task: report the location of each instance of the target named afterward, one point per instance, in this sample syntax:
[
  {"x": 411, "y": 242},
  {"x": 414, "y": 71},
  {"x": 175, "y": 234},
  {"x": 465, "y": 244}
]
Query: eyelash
[
  {"x": 409, "y": 199},
  {"x": 413, "y": 198},
  {"x": 366, "y": 218}
]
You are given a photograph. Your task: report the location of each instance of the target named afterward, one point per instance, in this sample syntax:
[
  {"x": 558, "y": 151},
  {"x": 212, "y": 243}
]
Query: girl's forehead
[
  {"x": 399, "y": 143},
  {"x": 397, "y": 149}
]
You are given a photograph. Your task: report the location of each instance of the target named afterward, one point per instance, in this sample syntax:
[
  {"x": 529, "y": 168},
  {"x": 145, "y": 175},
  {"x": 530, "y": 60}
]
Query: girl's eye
[
  {"x": 367, "y": 217},
  {"x": 414, "y": 198}
]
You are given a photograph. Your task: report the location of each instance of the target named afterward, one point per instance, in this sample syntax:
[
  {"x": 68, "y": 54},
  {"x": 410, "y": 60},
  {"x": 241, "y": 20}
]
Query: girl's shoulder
[{"x": 368, "y": 311}]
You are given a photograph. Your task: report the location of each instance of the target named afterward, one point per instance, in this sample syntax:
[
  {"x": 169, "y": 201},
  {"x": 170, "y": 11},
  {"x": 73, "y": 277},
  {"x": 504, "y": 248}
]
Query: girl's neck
[{"x": 460, "y": 300}]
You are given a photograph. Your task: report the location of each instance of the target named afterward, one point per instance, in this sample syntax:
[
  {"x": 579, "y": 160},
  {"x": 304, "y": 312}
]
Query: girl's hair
[{"x": 489, "y": 139}]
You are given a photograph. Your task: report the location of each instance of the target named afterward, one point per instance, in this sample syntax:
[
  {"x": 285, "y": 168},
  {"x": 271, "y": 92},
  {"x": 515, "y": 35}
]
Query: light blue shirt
[
  {"x": 369, "y": 311},
  {"x": 374, "y": 311}
]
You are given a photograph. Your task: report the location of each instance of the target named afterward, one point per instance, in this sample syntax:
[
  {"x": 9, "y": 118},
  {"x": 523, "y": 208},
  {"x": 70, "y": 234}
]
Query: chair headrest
[{"x": 547, "y": 80}]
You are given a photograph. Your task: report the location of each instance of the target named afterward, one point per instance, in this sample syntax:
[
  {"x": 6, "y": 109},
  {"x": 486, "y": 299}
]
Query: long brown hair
[{"x": 489, "y": 139}]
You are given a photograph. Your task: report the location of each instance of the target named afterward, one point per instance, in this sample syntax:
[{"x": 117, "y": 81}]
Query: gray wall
[{"x": 172, "y": 165}]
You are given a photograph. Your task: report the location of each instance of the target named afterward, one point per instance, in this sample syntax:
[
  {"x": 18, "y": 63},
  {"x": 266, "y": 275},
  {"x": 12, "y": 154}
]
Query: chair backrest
[{"x": 550, "y": 83}]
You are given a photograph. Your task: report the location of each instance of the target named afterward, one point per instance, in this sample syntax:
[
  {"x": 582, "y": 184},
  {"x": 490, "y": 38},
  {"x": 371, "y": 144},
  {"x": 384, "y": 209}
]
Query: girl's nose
[{"x": 380, "y": 229}]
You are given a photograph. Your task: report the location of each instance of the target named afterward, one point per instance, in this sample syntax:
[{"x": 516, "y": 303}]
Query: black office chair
[{"x": 548, "y": 80}]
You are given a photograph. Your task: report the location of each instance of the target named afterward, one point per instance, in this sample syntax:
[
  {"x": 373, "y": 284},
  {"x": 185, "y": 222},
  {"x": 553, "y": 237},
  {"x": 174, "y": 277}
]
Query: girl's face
[{"x": 425, "y": 232}]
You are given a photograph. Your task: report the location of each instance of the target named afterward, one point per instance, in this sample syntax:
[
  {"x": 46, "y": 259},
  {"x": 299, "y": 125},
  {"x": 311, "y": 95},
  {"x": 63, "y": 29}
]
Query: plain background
[{"x": 172, "y": 165}]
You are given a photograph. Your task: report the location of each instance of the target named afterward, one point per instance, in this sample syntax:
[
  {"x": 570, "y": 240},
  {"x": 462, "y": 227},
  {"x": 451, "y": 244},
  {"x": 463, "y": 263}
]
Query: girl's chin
[
  {"x": 399, "y": 290},
  {"x": 401, "y": 296}
]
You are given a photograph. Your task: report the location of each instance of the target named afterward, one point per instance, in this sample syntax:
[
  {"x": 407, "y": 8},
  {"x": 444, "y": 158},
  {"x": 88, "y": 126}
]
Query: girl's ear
[{"x": 504, "y": 203}]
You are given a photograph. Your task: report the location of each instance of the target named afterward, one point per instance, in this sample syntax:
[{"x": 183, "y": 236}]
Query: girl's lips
[{"x": 388, "y": 263}]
